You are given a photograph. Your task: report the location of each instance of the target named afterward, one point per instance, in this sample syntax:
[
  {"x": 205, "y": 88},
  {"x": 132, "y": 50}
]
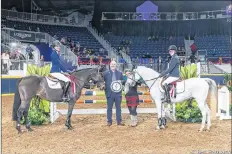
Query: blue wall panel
[
  {"x": 219, "y": 79},
  {"x": 9, "y": 85}
]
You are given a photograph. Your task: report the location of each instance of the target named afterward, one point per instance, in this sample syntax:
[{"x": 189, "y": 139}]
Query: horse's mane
[
  {"x": 151, "y": 71},
  {"x": 84, "y": 69}
]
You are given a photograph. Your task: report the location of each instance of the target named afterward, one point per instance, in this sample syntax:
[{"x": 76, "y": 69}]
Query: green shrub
[
  {"x": 228, "y": 81},
  {"x": 39, "y": 108},
  {"x": 188, "y": 111},
  {"x": 230, "y": 109}
]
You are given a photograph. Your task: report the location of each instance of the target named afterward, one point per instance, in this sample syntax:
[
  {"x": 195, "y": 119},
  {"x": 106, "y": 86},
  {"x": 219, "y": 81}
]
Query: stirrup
[{"x": 66, "y": 98}]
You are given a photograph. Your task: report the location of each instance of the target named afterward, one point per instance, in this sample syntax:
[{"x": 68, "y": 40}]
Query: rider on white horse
[
  {"x": 56, "y": 69},
  {"x": 172, "y": 71}
]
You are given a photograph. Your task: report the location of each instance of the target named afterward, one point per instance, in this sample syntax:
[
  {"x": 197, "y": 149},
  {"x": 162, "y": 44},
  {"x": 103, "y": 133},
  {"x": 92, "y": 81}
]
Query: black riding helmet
[{"x": 172, "y": 47}]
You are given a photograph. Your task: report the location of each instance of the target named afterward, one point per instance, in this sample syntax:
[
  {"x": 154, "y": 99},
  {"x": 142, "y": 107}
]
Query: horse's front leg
[
  {"x": 159, "y": 114},
  {"x": 19, "y": 116},
  {"x": 69, "y": 114}
]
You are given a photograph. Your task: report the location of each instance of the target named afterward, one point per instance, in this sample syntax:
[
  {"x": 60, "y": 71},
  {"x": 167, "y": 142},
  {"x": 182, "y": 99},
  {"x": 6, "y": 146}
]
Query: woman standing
[{"x": 132, "y": 100}]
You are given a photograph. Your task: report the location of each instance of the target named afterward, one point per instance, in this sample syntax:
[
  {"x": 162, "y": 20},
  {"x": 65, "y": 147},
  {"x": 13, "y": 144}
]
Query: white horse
[{"x": 196, "y": 88}]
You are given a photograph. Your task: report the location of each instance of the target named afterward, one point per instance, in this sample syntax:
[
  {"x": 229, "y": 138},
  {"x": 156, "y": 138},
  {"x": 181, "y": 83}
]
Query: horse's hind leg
[
  {"x": 27, "y": 121},
  {"x": 69, "y": 114},
  {"x": 202, "y": 107},
  {"x": 208, "y": 117},
  {"x": 20, "y": 113}
]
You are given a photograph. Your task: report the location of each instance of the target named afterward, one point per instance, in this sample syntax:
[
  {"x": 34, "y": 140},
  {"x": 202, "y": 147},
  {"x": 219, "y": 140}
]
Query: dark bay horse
[{"x": 31, "y": 86}]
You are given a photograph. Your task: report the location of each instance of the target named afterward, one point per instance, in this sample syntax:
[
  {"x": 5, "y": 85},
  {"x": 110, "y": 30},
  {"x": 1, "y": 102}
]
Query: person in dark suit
[{"x": 109, "y": 76}]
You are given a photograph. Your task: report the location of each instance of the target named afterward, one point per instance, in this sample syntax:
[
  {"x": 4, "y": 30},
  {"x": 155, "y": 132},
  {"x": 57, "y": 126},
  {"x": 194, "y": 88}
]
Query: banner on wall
[{"x": 23, "y": 35}]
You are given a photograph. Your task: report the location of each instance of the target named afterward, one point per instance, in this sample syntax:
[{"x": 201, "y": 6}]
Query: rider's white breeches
[
  {"x": 170, "y": 80},
  {"x": 61, "y": 77}
]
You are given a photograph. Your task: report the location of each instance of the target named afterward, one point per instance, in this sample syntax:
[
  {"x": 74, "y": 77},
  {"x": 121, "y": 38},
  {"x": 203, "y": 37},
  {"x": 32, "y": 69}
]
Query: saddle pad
[
  {"x": 180, "y": 87},
  {"x": 73, "y": 84},
  {"x": 53, "y": 84}
]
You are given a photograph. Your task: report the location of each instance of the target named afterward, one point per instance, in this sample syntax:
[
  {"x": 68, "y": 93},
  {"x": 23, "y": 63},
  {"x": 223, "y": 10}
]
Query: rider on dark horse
[
  {"x": 56, "y": 69},
  {"x": 172, "y": 71}
]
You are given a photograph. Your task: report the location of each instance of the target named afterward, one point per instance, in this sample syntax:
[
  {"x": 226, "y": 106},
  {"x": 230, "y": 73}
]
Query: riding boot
[
  {"x": 66, "y": 96},
  {"x": 166, "y": 93}
]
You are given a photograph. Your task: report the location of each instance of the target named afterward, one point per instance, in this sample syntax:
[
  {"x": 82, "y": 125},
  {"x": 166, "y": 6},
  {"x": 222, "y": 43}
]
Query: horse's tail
[
  {"x": 212, "y": 86},
  {"x": 213, "y": 96},
  {"x": 17, "y": 102}
]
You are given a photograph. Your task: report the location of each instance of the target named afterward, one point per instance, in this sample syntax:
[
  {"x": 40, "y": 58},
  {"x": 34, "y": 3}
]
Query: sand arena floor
[{"x": 91, "y": 136}]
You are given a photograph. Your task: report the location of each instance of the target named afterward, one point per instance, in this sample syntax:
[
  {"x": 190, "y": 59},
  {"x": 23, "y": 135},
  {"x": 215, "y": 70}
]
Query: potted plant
[
  {"x": 39, "y": 108},
  {"x": 188, "y": 111}
]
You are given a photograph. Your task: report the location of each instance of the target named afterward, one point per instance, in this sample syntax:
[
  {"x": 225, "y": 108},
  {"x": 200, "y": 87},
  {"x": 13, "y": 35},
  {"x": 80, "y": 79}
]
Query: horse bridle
[
  {"x": 82, "y": 80},
  {"x": 155, "y": 79}
]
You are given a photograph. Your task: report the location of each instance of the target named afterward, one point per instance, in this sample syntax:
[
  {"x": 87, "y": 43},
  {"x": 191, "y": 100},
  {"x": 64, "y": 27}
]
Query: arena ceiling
[{"x": 113, "y": 5}]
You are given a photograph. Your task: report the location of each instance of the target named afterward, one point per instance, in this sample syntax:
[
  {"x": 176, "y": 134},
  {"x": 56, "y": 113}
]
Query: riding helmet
[
  {"x": 56, "y": 43},
  {"x": 172, "y": 47}
]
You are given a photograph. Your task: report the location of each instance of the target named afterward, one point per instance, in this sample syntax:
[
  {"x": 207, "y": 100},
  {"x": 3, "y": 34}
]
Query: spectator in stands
[
  {"x": 78, "y": 45},
  {"x": 55, "y": 37},
  {"x": 151, "y": 61},
  {"x": 69, "y": 41},
  {"x": 192, "y": 58},
  {"x": 72, "y": 46},
  {"x": 6, "y": 61},
  {"x": 132, "y": 99},
  {"x": 41, "y": 60},
  {"x": 84, "y": 51},
  {"x": 38, "y": 30},
  {"x": 110, "y": 76},
  {"x": 193, "y": 48},
  {"x": 220, "y": 60},
  {"x": 29, "y": 28},
  {"x": 159, "y": 62},
  {"x": 182, "y": 62}
]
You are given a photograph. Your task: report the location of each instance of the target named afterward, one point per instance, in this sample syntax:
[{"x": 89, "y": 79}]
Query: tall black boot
[
  {"x": 167, "y": 95},
  {"x": 66, "y": 96}
]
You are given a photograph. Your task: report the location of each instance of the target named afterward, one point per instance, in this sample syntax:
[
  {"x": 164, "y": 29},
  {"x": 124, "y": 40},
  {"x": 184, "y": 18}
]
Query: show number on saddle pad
[
  {"x": 116, "y": 86},
  {"x": 53, "y": 83}
]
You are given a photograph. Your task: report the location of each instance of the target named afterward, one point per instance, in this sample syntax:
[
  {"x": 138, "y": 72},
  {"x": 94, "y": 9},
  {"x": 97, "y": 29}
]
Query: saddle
[
  {"x": 172, "y": 86},
  {"x": 55, "y": 83}
]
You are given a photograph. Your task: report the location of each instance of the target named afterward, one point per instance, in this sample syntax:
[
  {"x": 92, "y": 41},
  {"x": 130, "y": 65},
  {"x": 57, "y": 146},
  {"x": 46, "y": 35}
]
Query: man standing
[
  {"x": 113, "y": 91},
  {"x": 192, "y": 58}
]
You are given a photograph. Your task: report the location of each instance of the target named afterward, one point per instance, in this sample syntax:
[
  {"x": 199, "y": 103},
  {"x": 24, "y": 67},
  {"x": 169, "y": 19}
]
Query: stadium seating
[
  {"x": 140, "y": 45},
  {"x": 77, "y": 34},
  {"x": 216, "y": 46}
]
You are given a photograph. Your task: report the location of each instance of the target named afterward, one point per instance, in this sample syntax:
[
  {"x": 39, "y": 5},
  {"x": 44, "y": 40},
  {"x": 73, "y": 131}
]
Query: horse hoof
[
  {"x": 69, "y": 127},
  {"x": 29, "y": 129},
  {"x": 157, "y": 128},
  {"x": 162, "y": 127},
  {"x": 20, "y": 132}
]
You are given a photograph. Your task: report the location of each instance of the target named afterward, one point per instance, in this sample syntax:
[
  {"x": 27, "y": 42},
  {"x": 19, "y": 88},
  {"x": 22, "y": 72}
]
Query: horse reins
[{"x": 145, "y": 80}]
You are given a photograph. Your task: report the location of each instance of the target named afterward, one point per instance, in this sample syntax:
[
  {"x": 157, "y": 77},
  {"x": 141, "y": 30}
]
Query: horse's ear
[{"x": 134, "y": 67}]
